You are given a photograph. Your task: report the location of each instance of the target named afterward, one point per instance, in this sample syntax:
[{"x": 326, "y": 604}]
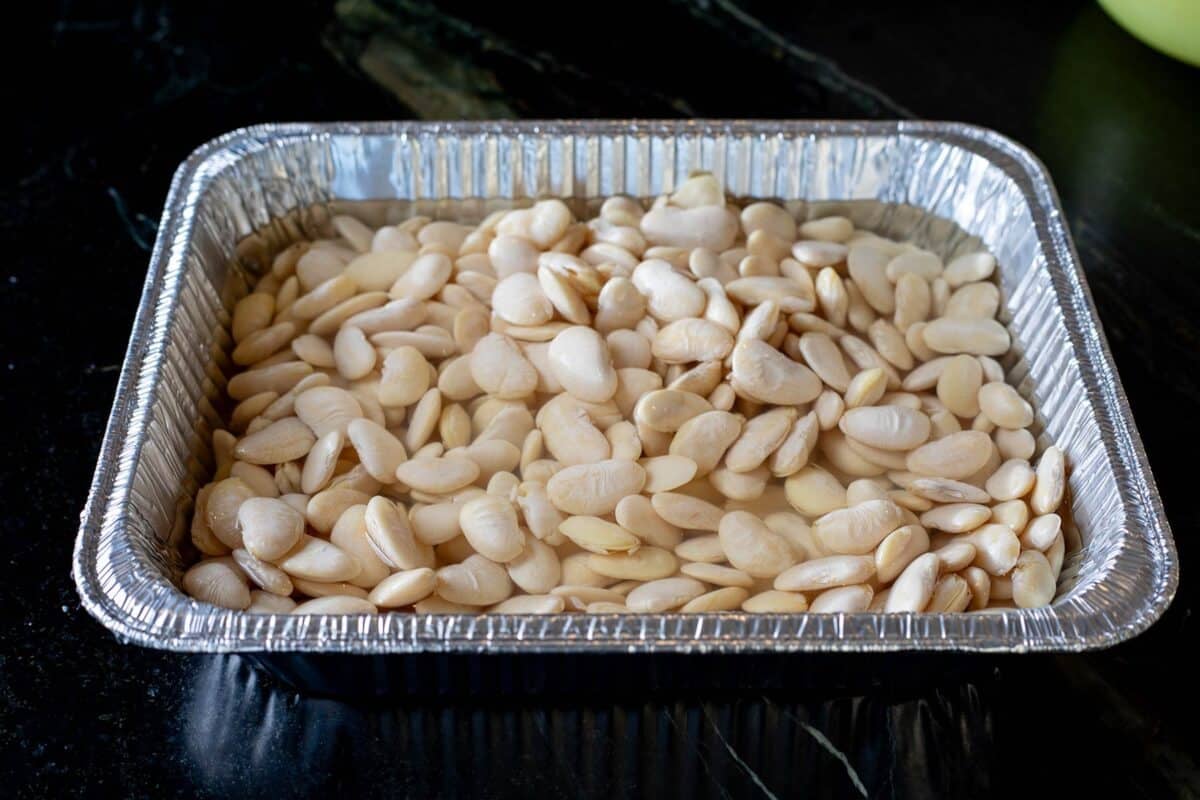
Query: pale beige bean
[
  {"x": 1014, "y": 479},
  {"x": 1055, "y": 554},
  {"x": 663, "y": 595},
  {"x": 842, "y": 600},
  {"x": 865, "y": 489},
  {"x": 327, "y": 408},
  {"x": 955, "y": 555},
  {"x": 759, "y": 438},
  {"x": 380, "y": 453},
  {"x": 578, "y": 597},
  {"x": 827, "y": 229},
  {"x": 793, "y": 294},
  {"x": 686, "y": 340},
  {"x": 664, "y": 473},
  {"x": 619, "y": 305},
  {"x": 753, "y": 547},
  {"x": 922, "y": 263},
  {"x": 1050, "y": 484},
  {"x": 397, "y": 315},
  {"x": 951, "y": 594},
  {"x": 956, "y": 517},
  {"x": 595, "y": 489},
  {"x": 913, "y": 304},
  {"x": 596, "y": 535},
  {"x": 868, "y": 267},
  {"x": 217, "y": 581},
  {"x": 424, "y": 278},
  {"x": 519, "y": 299},
  {"x": 431, "y": 341},
  {"x": 318, "y": 560},
  {"x": 898, "y": 549},
  {"x": 512, "y": 254},
  {"x": 1033, "y": 582},
  {"x": 628, "y": 349},
  {"x": 981, "y": 300},
  {"x": 981, "y": 337},
  {"x": 764, "y": 374},
  {"x": 959, "y": 385},
  {"x": 858, "y": 530},
  {"x": 275, "y": 378},
  {"x": 490, "y": 525},
  {"x": 775, "y": 602},
  {"x": 768, "y": 217},
  {"x": 313, "y": 349},
  {"x": 1041, "y": 532},
  {"x": 945, "y": 490},
  {"x": 913, "y": 588},
  {"x": 705, "y": 438},
  {"x": 969, "y": 268},
  {"x": 719, "y": 310},
  {"x": 890, "y": 344},
  {"x": 405, "y": 379},
  {"x": 866, "y": 388},
  {"x": 669, "y": 294},
  {"x": 1003, "y": 406},
  {"x": 643, "y": 564},
  {"x": 581, "y": 363},
  {"x": 474, "y": 582},
  {"x": 537, "y": 569},
  {"x": 996, "y": 548},
  {"x": 741, "y": 486},
  {"x": 350, "y": 535},
  {"x": 666, "y": 410},
  {"x": 957, "y": 456},
  {"x": 684, "y": 511},
  {"x": 815, "y": 253},
  {"x": 529, "y": 604},
  {"x": 825, "y": 359},
  {"x": 252, "y": 313},
  {"x": 318, "y": 264},
  {"x": 404, "y": 588},
  {"x": 438, "y": 475},
  {"x": 439, "y": 605},
  {"x": 1013, "y": 513},
  {"x": 623, "y": 439},
  {"x": 718, "y": 575},
  {"x": 939, "y": 291},
  {"x": 705, "y": 548},
  {"x": 435, "y": 523},
  {"x": 499, "y": 368},
  {"x": 793, "y": 452},
  {"x": 260, "y": 480},
  {"x": 267, "y": 603},
  {"x": 886, "y": 427},
  {"x": 814, "y": 491},
  {"x": 325, "y": 507},
  {"x": 378, "y": 270},
  {"x": 322, "y": 298},
  {"x": 336, "y": 604},
  {"x": 284, "y": 440},
  {"x": 729, "y": 598},
  {"x": 829, "y": 408},
  {"x": 866, "y": 357},
  {"x": 1014, "y": 443},
  {"x": 423, "y": 420},
  {"x": 980, "y": 584},
  {"x": 269, "y": 527},
  {"x": 825, "y": 573},
  {"x": 391, "y": 536},
  {"x": 926, "y": 375},
  {"x": 636, "y": 514},
  {"x": 831, "y": 296},
  {"x": 264, "y": 342}
]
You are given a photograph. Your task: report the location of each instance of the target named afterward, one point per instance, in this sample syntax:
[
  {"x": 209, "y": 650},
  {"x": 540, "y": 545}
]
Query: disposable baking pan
[{"x": 948, "y": 186}]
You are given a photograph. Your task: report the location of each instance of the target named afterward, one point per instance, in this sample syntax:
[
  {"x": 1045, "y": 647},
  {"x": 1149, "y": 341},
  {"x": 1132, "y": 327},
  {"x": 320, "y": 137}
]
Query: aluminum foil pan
[{"x": 948, "y": 186}]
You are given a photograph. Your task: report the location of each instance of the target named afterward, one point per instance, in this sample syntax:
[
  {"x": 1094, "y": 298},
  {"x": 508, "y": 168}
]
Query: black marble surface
[{"x": 105, "y": 99}]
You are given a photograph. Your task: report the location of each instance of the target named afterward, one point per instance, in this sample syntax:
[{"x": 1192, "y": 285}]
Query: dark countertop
[{"x": 105, "y": 103}]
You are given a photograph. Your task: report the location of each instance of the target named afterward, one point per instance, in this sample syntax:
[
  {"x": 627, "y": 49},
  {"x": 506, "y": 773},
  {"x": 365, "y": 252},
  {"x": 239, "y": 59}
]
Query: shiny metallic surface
[{"x": 947, "y": 186}]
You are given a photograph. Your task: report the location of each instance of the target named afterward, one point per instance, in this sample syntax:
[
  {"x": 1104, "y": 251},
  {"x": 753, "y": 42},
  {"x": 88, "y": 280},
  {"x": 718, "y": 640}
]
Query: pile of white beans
[{"x": 691, "y": 407}]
